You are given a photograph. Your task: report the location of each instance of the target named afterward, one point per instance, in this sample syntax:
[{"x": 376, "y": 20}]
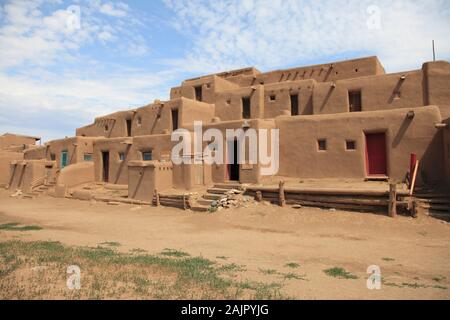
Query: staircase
[
  {"x": 39, "y": 190},
  {"x": 434, "y": 202},
  {"x": 214, "y": 194}
]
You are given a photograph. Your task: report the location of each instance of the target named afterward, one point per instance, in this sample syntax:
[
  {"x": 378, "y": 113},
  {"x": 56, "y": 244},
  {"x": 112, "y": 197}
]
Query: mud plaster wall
[
  {"x": 76, "y": 147},
  {"x": 446, "y": 150},
  {"x": 5, "y": 160},
  {"x": 26, "y": 173},
  {"x": 300, "y": 157},
  {"x": 9, "y": 140},
  {"x": 281, "y": 92},
  {"x": 35, "y": 153},
  {"x": 377, "y": 93},
  {"x": 229, "y": 103},
  {"x": 325, "y": 72},
  {"x": 109, "y": 126},
  {"x": 438, "y": 85},
  {"x": 210, "y": 85},
  {"x": 247, "y": 173},
  {"x": 76, "y": 174},
  {"x": 146, "y": 176}
]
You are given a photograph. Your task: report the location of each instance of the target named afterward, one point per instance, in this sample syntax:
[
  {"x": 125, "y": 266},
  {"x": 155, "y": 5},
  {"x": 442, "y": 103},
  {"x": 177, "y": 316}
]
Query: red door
[{"x": 376, "y": 153}]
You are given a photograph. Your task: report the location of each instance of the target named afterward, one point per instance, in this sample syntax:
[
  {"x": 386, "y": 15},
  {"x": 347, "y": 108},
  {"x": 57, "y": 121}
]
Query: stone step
[
  {"x": 210, "y": 196},
  {"x": 228, "y": 186},
  {"x": 435, "y": 207},
  {"x": 217, "y": 190},
  {"x": 205, "y": 202},
  {"x": 199, "y": 208}
]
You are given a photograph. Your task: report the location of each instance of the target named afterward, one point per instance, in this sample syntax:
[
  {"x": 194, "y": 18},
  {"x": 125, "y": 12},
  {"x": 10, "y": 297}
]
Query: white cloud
[
  {"x": 116, "y": 10},
  {"x": 273, "y": 33}
]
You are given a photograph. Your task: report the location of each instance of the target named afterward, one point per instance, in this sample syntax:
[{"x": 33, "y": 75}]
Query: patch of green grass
[
  {"x": 292, "y": 265},
  {"x": 232, "y": 267},
  {"x": 440, "y": 287},
  {"x": 339, "y": 273},
  {"x": 222, "y": 257},
  {"x": 293, "y": 276},
  {"x": 14, "y": 226},
  {"x": 111, "y": 244},
  {"x": 112, "y": 274},
  {"x": 439, "y": 278},
  {"x": 174, "y": 253},
  {"x": 388, "y": 259},
  {"x": 414, "y": 285},
  {"x": 137, "y": 250},
  {"x": 268, "y": 271}
]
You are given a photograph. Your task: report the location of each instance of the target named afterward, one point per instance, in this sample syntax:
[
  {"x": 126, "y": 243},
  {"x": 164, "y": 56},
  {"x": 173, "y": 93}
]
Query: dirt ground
[{"x": 269, "y": 242}]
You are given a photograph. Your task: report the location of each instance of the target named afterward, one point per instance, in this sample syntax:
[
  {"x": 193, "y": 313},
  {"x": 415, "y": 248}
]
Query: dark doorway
[
  {"x": 246, "y": 108},
  {"x": 376, "y": 153},
  {"x": 354, "y": 101},
  {"x": 294, "y": 104},
  {"x": 174, "y": 119},
  {"x": 233, "y": 168},
  {"x": 105, "y": 159},
  {"x": 129, "y": 127},
  {"x": 198, "y": 93}
]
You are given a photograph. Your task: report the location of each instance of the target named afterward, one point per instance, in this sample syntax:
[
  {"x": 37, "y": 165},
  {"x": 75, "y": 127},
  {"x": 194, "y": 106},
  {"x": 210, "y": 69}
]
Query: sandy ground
[{"x": 413, "y": 254}]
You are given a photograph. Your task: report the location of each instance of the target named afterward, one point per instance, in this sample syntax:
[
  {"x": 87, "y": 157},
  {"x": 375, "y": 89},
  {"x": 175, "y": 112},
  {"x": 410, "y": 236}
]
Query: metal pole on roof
[{"x": 434, "y": 52}]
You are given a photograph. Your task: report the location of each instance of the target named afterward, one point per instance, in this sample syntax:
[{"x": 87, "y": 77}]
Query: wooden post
[
  {"x": 281, "y": 197},
  {"x": 258, "y": 196},
  {"x": 184, "y": 201},
  {"x": 413, "y": 181},
  {"x": 156, "y": 196},
  {"x": 392, "y": 200}
]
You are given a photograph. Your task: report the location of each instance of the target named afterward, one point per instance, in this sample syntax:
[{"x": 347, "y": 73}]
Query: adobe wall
[
  {"x": 446, "y": 149},
  {"x": 248, "y": 173},
  {"x": 437, "y": 84},
  {"x": 209, "y": 84},
  {"x": 354, "y": 68},
  {"x": 377, "y": 93},
  {"x": 118, "y": 170},
  {"x": 5, "y": 161},
  {"x": 35, "y": 153},
  {"x": 146, "y": 176},
  {"x": 110, "y": 126},
  {"x": 300, "y": 157},
  {"x": 76, "y": 147},
  {"x": 25, "y": 174},
  {"x": 76, "y": 174},
  {"x": 229, "y": 103},
  {"x": 7, "y": 140},
  {"x": 282, "y": 93}
]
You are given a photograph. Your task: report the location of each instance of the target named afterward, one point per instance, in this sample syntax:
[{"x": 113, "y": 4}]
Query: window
[
  {"x": 354, "y": 101},
  {"x": 272, "y": 97},
  {"x": 52, "y": 156},
  {"x": 350, "y": 145},
  {"x": 121, "y": 156},
  {"x": 322, "y": 144},
  {"x": 139, "y": 121},
  {"x": 146, "y": 155},
  {"x": 88, "y": 157},
  {"x": 246, "y": 108},
  {"x": 198, "y": 93},
  {"x": 174, "y": 119},
  {"x": 106, "y": 127},
  {"x": 129, "y": 127},
  {"x": 294, "y": 104}
]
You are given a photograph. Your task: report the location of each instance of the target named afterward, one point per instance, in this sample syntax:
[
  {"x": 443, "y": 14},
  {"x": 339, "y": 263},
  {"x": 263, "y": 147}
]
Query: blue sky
[{"x": 60, "y": 69}]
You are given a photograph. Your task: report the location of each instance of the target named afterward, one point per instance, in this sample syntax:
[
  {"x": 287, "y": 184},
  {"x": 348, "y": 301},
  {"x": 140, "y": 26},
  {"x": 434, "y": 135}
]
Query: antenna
[{"x": 434, "y": 52}]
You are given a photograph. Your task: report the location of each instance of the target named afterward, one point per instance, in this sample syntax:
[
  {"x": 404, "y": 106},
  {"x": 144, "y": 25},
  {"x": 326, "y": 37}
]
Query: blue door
[{"x": 63, "y": 158}]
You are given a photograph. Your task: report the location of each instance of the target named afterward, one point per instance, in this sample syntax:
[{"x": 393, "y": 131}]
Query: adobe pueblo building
[{"x": 345, "y": 120}]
